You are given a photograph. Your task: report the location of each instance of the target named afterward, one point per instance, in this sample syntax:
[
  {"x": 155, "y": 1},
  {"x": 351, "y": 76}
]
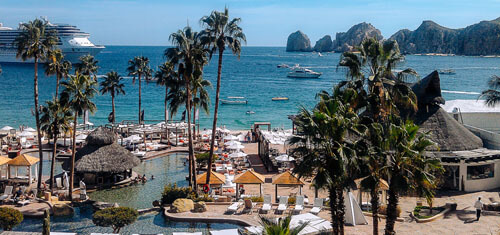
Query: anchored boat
[
  {"x": 300, "y": 72},
  {"x": 279, "y": 98},
  {"x": 234, "y": 100}
]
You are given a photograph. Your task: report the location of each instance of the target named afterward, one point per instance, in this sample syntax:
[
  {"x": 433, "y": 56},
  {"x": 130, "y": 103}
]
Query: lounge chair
[
  {"x": 249, "y": 205},
  {"x": 282, "y": 205},
  {"x": 233, "y": 207},
  {"x": 299, "y": 204},
  {"x": 7, "y": 193},
  {"x": 318, "y": 205},
  {"x": 225, "y": 232},
  {"x": 266, "y": 206}
]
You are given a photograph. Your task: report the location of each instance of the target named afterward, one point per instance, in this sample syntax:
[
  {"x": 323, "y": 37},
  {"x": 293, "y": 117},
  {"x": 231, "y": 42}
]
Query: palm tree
[
  {"x": 87, "y": 66},
  {"x": 201, "y": 98},
  {"x": 220, "y": 32},
  {"x": 188, "y": 55},
  {"x": 78, "y": 92},
  {"x": 34, "y": 42},
  {"x": 492, "y": 95},
  {"x": 56, "y": 119},
  {"x": 280, "y": 226},
  {"x": 58, "y": 66},
  {"x": 408, "y": 167},
  {"x": 165, "y": 77},
  {"x": 112, "y": 85},
  {"x": 139, "y": 66}
]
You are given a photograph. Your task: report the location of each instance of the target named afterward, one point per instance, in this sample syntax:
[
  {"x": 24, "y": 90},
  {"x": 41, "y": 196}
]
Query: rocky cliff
[
  {"x": 298, "y": 41},
  {"x": 354, "y": 36},
  {"x": 482, "y": 38},
  {"x": 324, "y": 44}
]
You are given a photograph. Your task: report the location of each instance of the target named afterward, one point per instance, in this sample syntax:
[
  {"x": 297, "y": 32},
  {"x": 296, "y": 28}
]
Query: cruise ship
[{"x": 73, "y": 43}]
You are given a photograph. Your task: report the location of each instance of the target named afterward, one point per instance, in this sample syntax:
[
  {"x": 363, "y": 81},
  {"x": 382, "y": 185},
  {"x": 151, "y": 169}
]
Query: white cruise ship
[{"x": 73, "y": 43}]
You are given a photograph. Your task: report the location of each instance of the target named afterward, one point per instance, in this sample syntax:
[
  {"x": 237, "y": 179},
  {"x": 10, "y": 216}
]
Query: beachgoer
[
  {"x": 18, "y": 194},
  {"x": 479, "y": 206},
  {"x": 152, "y": 177}
]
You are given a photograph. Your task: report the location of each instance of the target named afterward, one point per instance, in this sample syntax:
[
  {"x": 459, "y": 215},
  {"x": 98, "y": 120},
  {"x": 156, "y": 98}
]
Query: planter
[{"x": 447, "y": 208}]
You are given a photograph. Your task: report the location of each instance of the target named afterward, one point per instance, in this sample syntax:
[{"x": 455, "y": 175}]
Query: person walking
[{"x": 479, "y": 206}]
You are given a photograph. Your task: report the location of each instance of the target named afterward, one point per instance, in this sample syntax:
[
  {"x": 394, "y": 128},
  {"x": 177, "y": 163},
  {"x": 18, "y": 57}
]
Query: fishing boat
[
  {"x": 234, "y": 100},
  {"x": 279, "y": 98},
  {"x": 300, "y": 72},
  {"x": 250, "y": 112},
  {"x": 447, "y": 71},
  {"x": 283, "y": 66}
]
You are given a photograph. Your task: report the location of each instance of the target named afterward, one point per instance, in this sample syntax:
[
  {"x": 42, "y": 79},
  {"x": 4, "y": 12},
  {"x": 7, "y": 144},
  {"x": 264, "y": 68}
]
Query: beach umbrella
[
  {"x": 7, "y": 128},
  {"x": 25, "y": 134},
  {"x": 284, "y": 158},
  {"x": 237, "y": 155},
  {"x": 230, "y": 137},
  {"x": 232, "y": 142},
  {"x": 236, "y": 146},
  {"x": 30, "y": 129}
]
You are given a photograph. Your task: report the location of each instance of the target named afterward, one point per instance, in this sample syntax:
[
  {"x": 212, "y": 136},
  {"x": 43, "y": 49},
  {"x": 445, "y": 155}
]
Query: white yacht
[
  {"x": 300, "y": 72},
  {"x": 73, "y": 43}
]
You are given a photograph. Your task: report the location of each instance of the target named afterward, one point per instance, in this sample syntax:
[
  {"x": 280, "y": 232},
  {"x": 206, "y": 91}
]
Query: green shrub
[
  {"x": 416, "y": 211},
  {"x": 257, "y": 199},
  {"x": 291, "y": 201},
  {"x": 383, "y": 210},
  {"x": 202, "y": 198},
  {"x": 202, "y": 158},
  {"x": 115, "y": 217},
  {"x": 10, "y": 218},
  {"x": 172, "y": 192}
]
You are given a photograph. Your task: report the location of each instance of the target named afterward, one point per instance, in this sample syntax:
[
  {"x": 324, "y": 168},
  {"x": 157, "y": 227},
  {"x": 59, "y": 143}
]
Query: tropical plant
[
  {"x": 58, "y": 66},
  {"x": 280, "y": 226},
  {"x": 46, "y": 222},
  {"x": 34, "y": 42},
  {"x": 171, "y": 192},
  {"x": 492, "y": 94},
  {"x": 113, "y": 85},
  {"x": 189, "y": 56},
  {"x": 220, "y": 32},
  {"x": 202, "y": 158},
  {"x": 139, "y": 67},
  {"x": 165, "y": 76},
  {"x": 201, "y": 98},
  {"x": 78, "y": 92},
  {"x": 56, "y": 119},
  {"x": 115, "y": 217},
  {"x": 87, "y": 66},
  {"x": 10, "y": 218}
]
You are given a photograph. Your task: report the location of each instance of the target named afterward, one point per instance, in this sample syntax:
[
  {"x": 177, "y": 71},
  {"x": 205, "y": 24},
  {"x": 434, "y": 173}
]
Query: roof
[
  {"x": 23, "y": 160},
  {"x": 428, "y": 90},
  {"x": 287, "y": 178},
  {"x": 469, "y": 106},
  {"x": 383, "y": 184},
  {"x": 215, "y": 178},
  {"x": 249, "y": 177},
  {"x": 101, "y": 136},
  {"x": 4, "y": 160}
]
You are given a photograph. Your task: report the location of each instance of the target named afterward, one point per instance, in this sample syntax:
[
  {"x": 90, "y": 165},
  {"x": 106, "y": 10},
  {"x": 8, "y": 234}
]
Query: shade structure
[
  {"x": 215, "y": 178},
  {"x": 236, "y": 146},
  {"x": 6, "y": 128},
  {"x": 249, "y": 177},
  {"x": 23, "y": 160},
  {"x": 133, "y": 138},
  {"x": 4, "y": 160},
  {"x": 286, "y": 179},
  {"x": 30, "y": 129},
  {"x": 284, "y": 158},
  {"x": 232, "y": 142},
  {"x": 26, "y": 134},
  {"x": 382, "y": 184},
  {"x": 231, "y": 137},
  {"x": 237, "y": 155}
]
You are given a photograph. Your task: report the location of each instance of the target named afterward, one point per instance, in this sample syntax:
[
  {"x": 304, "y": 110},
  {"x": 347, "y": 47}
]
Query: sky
[{"x": 265, "y": 22}]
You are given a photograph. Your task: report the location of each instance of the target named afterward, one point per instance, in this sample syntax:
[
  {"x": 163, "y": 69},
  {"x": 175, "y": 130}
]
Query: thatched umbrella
[{"x": 443, "y": 129}]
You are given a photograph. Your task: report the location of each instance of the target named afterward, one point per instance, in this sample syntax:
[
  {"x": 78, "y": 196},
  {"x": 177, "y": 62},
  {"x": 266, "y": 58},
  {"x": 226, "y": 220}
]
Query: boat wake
[{"x": 461, "y": 92}]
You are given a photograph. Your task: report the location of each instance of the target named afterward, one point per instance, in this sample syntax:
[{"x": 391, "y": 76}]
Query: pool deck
[{"x": 33, "y": 209}]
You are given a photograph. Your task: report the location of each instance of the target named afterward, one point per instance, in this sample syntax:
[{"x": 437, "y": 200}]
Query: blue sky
[{"x": 265, "y": 22}]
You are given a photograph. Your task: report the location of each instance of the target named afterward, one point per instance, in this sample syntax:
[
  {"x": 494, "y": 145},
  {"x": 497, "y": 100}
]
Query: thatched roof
[
  {"x": 101, "y": 136},
  {"x": 4, "y": 160},
  {"x": 383, "y": 184},
  {"x": 287, "y": 178},
  {"x": 443, "y": 129},
  {"x": 215, "y": 178},
  {"x": 249, "y": 177},
  {"x": 23, "y": 160}
]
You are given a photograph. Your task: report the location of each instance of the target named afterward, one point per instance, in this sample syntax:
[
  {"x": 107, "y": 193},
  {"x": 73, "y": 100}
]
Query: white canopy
[
  {"x": 236, "y": 146},
  {"x": 30, "y": 129},
  {"x": 230, "y": 137},
  {"x": 6, "y": 128},
  {"x": 26, "y": 134},
  {"x": 232, "y": 142},
  {"x": 284, "y": 158},
  {"x": 133, "y": 138},
  {"x": 237, "y": 155}
]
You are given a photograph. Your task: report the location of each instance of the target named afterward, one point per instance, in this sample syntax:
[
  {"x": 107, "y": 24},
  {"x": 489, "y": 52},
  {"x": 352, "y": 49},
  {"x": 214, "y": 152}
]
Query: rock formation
[
  {"x": 298, "y": 41},
  {"x": 354, "y": 36},
  {"x": 324, "y": 44},
  {"x": 478, "y": 39}
]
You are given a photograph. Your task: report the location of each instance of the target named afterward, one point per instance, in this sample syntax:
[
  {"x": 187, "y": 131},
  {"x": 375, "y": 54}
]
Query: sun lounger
[
  {"x": 195, "y": 233},
  {"x": 23, "y": 202},
  {"x": 299, "y": 204},
  {"x": 249, "y": 205},
  {"x": 225, "y": 232},
  {"x": 283, "y": 204},
  {"x": 233, "y": 207},
  {"x": 7, "y": 193},
  {"x": 318, "y": 205},
  {"x": 266, "y": 206}
]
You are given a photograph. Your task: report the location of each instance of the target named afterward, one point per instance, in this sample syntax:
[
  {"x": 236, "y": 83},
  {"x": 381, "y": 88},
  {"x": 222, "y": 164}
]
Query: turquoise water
[{"x": 254, "y": 76}]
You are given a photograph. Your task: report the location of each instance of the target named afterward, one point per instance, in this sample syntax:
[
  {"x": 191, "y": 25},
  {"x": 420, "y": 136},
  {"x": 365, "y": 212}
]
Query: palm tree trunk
[
  {"x": 340, "y": 209},
  {"x": 113, "y": 106},
  {"x": 192, "y": 165},
  {"x": 73, "y": 152},
  {"x": 374, "y": 201},
  {"x": 39, "y": 134},
  {"x": 58, "y": 78},
  {"x": 166, "y": 113},
  {"x": 391, "y": 210},
  {"x": 333, "y": 209},
  {"x": 139, "y": 98},
  {"x": 52, "y": 164},
  {"x": 216, "y": 110},
  {"x": 194, "y": 121}
]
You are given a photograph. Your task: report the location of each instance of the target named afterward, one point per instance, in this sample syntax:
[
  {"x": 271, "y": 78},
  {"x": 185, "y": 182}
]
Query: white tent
[
  {"x": 6, "y": 128},
  {"x": 353, "y": 214},
  {"x": 26, "y": 134},
  {"x": 284, "y": 158}
]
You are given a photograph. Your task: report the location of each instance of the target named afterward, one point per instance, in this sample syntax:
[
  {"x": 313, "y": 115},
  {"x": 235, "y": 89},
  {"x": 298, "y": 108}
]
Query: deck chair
[
  {"x": 7, "y": 193},
  {"x": 233, "y": 207},
  {"x": 249, "y": 205},
  {"x": 299, "y": 204},
  {"x": 318, "y": 205},
  {"x": 282, "y": 205},
  {"x": 266, "y": 206},
  {"x": 59, "y": 182}
]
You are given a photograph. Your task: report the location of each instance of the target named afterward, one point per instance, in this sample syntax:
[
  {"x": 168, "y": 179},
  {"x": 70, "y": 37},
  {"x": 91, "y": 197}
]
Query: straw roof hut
[
  {"x": 249, "y": 177},
  {"x": 215, "y": 178},
  {"x": 4, "y": 160},
  {"x": 4, "y": 174},
  {"x": 286, "y": 179},
  {"x": 443, "y": 129},
  {"x": 23, "y": 160}
]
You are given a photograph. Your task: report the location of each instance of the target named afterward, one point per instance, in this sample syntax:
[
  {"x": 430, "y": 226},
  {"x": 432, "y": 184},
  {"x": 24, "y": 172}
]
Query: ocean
[{"x": 253, "y": 76}]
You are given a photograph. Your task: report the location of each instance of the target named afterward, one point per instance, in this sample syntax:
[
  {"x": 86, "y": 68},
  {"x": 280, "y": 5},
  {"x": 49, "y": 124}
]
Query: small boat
[
  {"x": 447, "y": 71},
  {"x": 279, "y": 98},
  {"x": 319, "y": 54},
  {"x": 233, "y": 100},
  {"x": 283, "y": 66},
  {"x": 250, "y": 112},
  {"x": 300, "y": 72}
]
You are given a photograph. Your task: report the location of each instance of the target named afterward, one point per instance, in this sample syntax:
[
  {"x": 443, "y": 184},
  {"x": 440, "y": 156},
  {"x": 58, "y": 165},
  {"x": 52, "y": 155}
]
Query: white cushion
[
  {"x": 266, "y": 207},
  {"x": 315, "y": 210},
  {"x": 281, "y": 207}
]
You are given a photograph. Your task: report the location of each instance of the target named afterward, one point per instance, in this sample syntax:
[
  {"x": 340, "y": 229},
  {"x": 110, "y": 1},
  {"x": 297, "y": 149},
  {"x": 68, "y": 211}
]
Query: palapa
[
  {"x": 383, "y": 185},
  {"x": 215, "y": 178},
  {"x": 249, "y": 177},
  {"x": 4, "y": 160},
  {"x": 23, "y": 160},
  {"x": 287, "y": 178}
]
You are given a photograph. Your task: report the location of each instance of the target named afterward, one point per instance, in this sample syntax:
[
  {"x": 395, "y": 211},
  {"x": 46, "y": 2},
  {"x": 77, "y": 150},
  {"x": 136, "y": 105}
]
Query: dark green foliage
[
  {"x": 115, "y": 217},
  {"x": 416, "y": 211},
  {"x": 10, "y": 218},
  {"x": 46, "y": 223},
  {"x": 172, "y": 192},
  {"x": 201, "y": 198},
  {"x": 202, "y": 158},
  {"x": 257, "y": 199},
  {"x": 280, "y": 226}
]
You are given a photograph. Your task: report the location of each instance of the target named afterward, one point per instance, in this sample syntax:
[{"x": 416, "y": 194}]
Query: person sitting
[{"x": 18, "y": 196}]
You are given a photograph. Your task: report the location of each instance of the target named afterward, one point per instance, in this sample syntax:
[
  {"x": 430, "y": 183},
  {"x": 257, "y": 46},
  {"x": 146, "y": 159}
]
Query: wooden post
[
  {"x": 276, "y": 193},
  {"x": 260, "y": 189},
  {"x": 237, "y": 191}
]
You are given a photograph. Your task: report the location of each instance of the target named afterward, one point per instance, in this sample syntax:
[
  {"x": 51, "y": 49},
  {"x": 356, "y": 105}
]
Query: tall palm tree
[
  {"x": 58, "y": 66},
  {"x": 201, "y": 98},
  {"x": 139, "y": 66},
  {"x": 112, "y": 85},
  {"x": 165, "y": 77},
  {"x": 87, "y": 66},
  {"x": 34, "y": 42},
  {"x": 281, "y": 226},
  {"x": 220, "y": 32},
  {"x": 78, "y": 92},
  {"x": 189, "y": 56},
  {"x": 56, "y": 119},
  {"x": 492, "y": 94}
]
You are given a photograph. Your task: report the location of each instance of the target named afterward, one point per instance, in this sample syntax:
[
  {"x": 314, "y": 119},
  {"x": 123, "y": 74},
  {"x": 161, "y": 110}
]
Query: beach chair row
[{"x": 248, "y": 205}]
